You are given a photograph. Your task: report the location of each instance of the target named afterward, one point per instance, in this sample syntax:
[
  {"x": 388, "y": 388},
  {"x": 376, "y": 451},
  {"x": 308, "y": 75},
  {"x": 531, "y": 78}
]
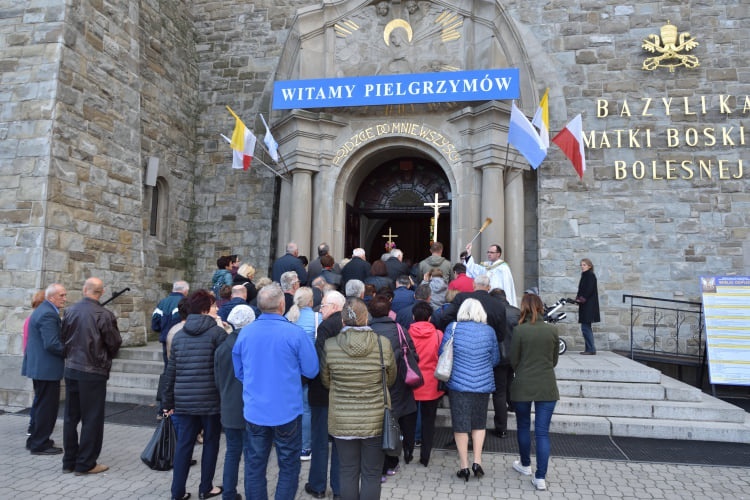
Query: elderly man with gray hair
[
  {"x": 290, "y": 282},
  {"x": 289, "y": 262},
  {"x": 166, "y": 315},
  {"x": 356, "y": 269},
  {"x": 270, "y": 358}
]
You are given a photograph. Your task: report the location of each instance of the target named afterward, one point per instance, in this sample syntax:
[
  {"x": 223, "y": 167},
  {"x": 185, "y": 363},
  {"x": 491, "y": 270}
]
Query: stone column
[
  {"x": 514, "y": 249},
  {"x": 301, "y": 210},
  {"x": 493, "y": 207},
  {"x": 285, "y": 214}
]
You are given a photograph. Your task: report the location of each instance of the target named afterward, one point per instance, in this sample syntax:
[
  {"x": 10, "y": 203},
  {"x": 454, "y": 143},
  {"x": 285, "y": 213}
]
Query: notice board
[{"x": 726, "y": 307}]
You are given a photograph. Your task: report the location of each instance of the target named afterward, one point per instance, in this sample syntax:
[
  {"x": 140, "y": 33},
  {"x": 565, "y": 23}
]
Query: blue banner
[{"x": 457, "y": 86}]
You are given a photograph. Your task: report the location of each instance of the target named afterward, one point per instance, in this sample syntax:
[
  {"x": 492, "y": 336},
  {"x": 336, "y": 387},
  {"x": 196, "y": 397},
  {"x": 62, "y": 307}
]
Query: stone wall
[{"x": 651, "y": 236}]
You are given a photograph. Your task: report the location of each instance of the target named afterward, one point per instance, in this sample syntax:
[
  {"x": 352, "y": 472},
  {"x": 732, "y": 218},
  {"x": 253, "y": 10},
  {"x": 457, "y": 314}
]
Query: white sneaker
[
  {"x": 539, "y": 484},
  {"x": 523, "y": 469}
]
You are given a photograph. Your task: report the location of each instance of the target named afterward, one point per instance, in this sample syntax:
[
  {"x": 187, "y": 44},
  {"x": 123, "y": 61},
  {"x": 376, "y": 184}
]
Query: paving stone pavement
[{"x": 30, "y": 477}]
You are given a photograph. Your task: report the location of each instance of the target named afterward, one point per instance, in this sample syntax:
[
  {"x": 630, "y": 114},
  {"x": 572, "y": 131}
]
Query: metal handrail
[{"x": 668, "y": 325}]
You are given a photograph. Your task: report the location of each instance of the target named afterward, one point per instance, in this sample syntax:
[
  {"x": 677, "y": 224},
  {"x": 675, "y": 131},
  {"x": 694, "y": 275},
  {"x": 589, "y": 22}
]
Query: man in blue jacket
[
  {"x": 289, "y": 262},
  {"x": 165, "y": 316},
  {"x": 43, "y": 362},
  {"x": 270, "y": 358}
]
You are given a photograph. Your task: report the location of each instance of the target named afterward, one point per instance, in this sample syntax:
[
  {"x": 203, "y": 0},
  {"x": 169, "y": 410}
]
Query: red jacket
[
  {"x": 462, "y": 283},
  {"x": 427, "y": 340}
]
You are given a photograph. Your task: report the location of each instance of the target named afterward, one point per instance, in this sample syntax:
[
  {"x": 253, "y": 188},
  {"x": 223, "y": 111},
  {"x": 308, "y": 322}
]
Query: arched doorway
[{"x": 390, "y": 200}]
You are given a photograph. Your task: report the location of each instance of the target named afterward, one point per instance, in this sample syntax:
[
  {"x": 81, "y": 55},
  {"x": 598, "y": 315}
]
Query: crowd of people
[{"x": 307, "y": 361}]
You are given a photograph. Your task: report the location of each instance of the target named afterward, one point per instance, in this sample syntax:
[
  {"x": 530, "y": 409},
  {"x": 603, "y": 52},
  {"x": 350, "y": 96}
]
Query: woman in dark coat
[
  {"x": 588, "y": 304},
  {"x": 403, "y": 405}
]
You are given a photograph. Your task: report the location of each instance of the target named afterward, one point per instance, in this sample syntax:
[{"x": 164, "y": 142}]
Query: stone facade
[{"x": 92, "y": 93}]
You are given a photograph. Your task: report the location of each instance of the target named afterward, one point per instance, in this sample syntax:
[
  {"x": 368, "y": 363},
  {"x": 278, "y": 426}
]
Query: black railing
[{"x": 667, "y": 331}]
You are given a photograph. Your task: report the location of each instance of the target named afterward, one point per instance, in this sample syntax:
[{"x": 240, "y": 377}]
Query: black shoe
[
  {"x": 408, "y": 457},
  {"x": 424, "y": 461},
  {"x": 478, "y": 471},
  {"x": 315, "y": 494},
  {"x": 52, "y": 450},
  {"x": 464, "y": 474},
  {"x": 65, "y": 470},
  {"x": 203, "y": 496},
  {"x": 500, "y": 434}
]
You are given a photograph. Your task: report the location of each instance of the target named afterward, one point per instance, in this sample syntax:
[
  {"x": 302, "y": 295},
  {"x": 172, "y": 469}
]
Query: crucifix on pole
[
  {"x": 390, "y": 244},
  {"x": 436, "y": 208}
]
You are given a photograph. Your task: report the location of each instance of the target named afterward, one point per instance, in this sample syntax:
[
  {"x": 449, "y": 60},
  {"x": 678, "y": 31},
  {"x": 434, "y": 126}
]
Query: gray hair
[
  {"x": 240, "y": 316},
  {"x": 288, "y": 279},
  {"x": 52, "y": 290},
  {"x": 397, "y": 253},
  {"x": 482, "y": 281},
  {"x": 291, "y": 247},
  {"x": 358, "y": 252},
  {"x": 270, "y": 297},
  {"x": 181, "y": 287},
  {"x": 323, "y": 249},
  {"x": 335, "y": 297},
  {"x": 472, "y": 310},
  {"x": 239, "y": 291},
  {"x": 354, "y": 288}
]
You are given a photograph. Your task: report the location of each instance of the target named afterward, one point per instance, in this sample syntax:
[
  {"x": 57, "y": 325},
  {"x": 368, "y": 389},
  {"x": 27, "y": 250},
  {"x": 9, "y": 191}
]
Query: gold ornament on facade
[{"x": 671, "y": 53}]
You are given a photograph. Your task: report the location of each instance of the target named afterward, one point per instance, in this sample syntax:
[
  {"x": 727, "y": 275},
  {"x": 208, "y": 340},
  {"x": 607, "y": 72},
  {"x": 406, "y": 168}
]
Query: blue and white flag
[{"x": 523, "y": 136}]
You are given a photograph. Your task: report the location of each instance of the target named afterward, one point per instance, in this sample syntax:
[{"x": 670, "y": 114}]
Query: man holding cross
[{"x": 496, "y": 269}]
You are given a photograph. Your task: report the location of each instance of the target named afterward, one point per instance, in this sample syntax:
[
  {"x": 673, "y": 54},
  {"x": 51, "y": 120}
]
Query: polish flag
[{"x": 570, "y": 140}]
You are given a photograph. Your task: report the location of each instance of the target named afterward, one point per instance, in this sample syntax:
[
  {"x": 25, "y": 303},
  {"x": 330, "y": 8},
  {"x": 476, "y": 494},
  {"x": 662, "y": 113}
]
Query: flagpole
[{"x": 256, "y": 159}]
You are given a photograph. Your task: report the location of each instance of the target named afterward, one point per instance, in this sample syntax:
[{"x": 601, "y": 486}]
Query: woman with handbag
[
  {"x": 427, "y": 341},
  {"x": 475, "y": 353},
  {"x": 588, "y": 305},
  {"x": 356, "y": 366},
  {"x": 533, "y": 355},
  {"x": 402, "y": 397}
]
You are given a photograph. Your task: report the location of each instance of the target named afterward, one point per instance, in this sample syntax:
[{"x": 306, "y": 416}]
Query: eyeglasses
[
  {"x": 490, "y": 251},
  {"x": 324, "y": 305}
]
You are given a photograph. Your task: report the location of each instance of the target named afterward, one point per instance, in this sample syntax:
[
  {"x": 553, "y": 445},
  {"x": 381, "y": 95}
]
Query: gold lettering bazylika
[{"x": 670, "y": 49}]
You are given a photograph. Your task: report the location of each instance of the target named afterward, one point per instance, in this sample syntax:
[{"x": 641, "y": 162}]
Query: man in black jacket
[
  {"x": 91, "y": 339},
  {"x": 330, "y": 308},
  {"x": 356, "y": 269},
  {"x": 503, "y": 371}
]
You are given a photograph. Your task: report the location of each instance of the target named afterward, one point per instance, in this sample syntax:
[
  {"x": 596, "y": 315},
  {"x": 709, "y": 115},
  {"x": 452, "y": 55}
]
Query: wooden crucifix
[{"x": 436, "y": 208}]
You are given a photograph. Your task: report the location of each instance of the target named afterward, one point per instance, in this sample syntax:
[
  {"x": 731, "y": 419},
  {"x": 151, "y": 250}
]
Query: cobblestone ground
[{"x": 29, "y": 477}]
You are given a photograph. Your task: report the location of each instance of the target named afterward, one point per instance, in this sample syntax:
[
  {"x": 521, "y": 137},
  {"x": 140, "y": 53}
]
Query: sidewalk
[{"x": 30, "y": 477}]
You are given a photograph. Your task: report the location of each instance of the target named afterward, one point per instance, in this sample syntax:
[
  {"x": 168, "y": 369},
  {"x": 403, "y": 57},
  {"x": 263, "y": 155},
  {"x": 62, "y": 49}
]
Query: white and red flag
[{"x": 570, "y": 140}]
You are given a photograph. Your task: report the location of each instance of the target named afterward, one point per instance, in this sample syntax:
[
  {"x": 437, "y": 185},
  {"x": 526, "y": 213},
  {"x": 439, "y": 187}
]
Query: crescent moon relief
[{"x": 397, "y": 23}]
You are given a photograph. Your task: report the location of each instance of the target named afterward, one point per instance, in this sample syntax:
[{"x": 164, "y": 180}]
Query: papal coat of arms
[{"x": 670, "y": 49}]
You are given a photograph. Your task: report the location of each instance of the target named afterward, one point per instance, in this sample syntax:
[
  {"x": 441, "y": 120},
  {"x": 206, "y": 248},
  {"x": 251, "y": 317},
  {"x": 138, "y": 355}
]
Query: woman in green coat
[{"x": 533, "y": 355}]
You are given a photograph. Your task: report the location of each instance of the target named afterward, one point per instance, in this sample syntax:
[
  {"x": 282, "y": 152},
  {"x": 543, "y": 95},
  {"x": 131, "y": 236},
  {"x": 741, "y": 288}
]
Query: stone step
[
  {"x": 150, "y": 352},
  {"x": 605, "y": 366},
  {"x": 610, "y": 390},
  {"x": 709, "y": 410},
  {"x": 137, "y": 366},
  {"x": 145, "y": 381},
  {"x": 145, "y": 397}
]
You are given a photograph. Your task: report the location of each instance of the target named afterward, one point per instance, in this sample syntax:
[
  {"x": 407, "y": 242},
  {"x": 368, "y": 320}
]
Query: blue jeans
[
  {"x": 187, "y": 429},
  {"x": 588, "y": 337},
  {"x": 319, "y": 461},
  {"x": 306, "y": 444},
  {"x": 288, "y": 441},
  {"x": 235, "y": 442},
  {"x": 543, "y": 412}
]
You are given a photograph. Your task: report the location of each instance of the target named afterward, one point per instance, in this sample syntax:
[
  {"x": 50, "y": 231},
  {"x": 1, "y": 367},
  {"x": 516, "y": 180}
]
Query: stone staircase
[
  {"x": 609, "y": 394},
  {"x": 606, "y": 394}
]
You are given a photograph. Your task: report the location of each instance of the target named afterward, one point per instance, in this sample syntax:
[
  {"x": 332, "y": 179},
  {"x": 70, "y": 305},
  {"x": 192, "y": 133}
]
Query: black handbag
[
  {"x": 159, "y": 452},
  {"x": 391, "y": 440}
]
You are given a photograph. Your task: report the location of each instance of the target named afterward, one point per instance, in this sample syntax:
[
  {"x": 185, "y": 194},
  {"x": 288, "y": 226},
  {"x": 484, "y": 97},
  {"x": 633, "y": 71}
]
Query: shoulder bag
[
  {"x": 413, "y": 375},
  {"x": 445, "y": 361},
  {"x": 391, "y": 439}
]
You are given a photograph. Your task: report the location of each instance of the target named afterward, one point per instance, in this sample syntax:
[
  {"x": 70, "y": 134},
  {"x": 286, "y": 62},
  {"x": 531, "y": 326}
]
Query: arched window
[{"x": 159, "y": 209}]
